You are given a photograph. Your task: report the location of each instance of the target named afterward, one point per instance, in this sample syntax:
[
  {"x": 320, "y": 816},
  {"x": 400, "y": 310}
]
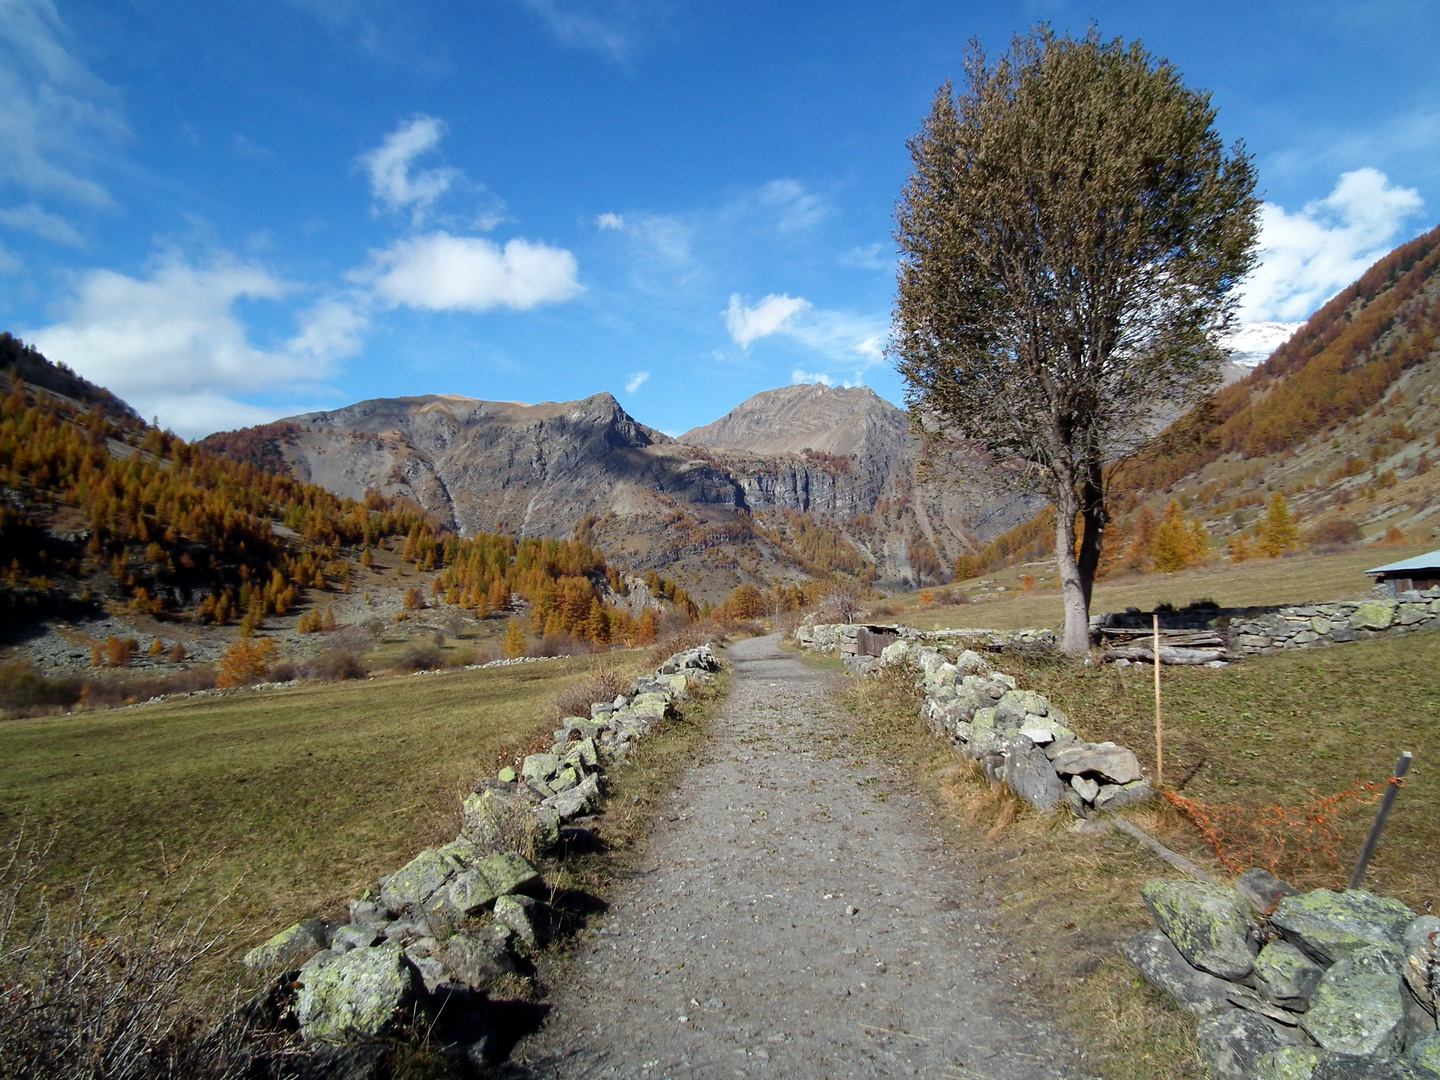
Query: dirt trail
[{"x": 796, "y": 916}]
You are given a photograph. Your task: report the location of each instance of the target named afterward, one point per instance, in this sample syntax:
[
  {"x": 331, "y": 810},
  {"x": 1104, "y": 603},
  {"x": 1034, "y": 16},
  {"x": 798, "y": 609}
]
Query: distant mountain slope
[
  {"x": 837, "y": 487},
  {"x": 1343, "y": 419},
  {"x": 793, "y": 419}
]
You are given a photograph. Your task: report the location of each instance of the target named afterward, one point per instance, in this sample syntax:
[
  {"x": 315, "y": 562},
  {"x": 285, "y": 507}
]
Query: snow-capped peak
[{"x": 1252, "y": 343}]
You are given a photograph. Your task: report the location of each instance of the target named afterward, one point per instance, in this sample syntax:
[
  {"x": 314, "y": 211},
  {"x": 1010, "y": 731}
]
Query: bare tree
[{"x": 1071, "y": 237}]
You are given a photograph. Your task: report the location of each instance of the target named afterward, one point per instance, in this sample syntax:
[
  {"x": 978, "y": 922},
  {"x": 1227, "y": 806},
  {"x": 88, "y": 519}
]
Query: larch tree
[{"x": 1071, "y": 238}]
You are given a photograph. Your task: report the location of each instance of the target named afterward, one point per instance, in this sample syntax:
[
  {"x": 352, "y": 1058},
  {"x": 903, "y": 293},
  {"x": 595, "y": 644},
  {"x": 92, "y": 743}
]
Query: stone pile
[
  {"x": 433, "y": 938},
  {"x": 1296, "y": 986}
]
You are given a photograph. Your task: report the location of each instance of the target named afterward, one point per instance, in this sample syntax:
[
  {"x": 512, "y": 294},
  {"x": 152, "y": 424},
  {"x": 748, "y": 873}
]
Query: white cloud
[
  {"x": 609, "y": 221},
  {"x": 838, "y": 336},
  {"x": 868, "y": 257},
  {"x": 802, "y": 376},
  {"x": 9, "y": 263},
  {"x": 441, "y": 272},
  {"x": 172, "y": 345},
  {"x": 1308, "y": 256},
  {"x": 793, "y": 206},
  {"x": 55, "y": 115},
  {"x": 588, "y": 24},
  {"x": 389, "y": 165},
  {"x": 636, "y": 381},
  {"x": 47, "y": 226},
  {"x": 769, "y": 316}
]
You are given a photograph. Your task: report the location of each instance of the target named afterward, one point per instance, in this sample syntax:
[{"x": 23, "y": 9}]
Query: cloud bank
[
  {"x": 1307, "y": 257},
  {"x": 172, "y": 344}
]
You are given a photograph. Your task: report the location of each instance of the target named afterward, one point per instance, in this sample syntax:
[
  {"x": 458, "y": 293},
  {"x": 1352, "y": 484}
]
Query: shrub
[
  {"x": 601, "y": 683},
  {"x": 420, "y": 657},
  {"x": 336, "y": 666},
  {"x": 1334, "y": 532},
  {"x": 118, "y": 651},
  {"x": 24, "y": 689}
]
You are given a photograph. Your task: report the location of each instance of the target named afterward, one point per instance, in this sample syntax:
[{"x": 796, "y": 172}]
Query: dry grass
[
  {"x": 299, "y": 797},
  {"x": 1062, "y": 901}
]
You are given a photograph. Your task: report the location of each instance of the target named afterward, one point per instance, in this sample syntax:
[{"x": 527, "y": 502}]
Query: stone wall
[
  {"x": 426, "y": 944},
  {"x": 848, "y": 639},
  {"x": 1309, "y": 626},
  {"x": 1017, "y": 736}
]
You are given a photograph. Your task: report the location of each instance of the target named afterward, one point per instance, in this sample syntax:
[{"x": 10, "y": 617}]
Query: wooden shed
[{"x": 1420, "y": 572}]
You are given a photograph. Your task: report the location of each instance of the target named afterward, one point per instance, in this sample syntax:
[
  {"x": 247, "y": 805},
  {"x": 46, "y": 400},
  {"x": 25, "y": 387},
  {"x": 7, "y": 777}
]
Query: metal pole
[
  {"x": 1159, "y": 747},
  {"x": 1386, "y": 802}
]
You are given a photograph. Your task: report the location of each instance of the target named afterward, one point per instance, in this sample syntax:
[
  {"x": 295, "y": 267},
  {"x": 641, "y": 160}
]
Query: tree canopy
[{"x": 1070, "y": 239}]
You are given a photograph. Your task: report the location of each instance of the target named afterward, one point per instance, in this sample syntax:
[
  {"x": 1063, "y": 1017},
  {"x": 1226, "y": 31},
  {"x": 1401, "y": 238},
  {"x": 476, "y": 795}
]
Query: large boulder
[
  {"x": 1373, "y": 615},
  {"x": 1210, "y": 925},
  {"x": 1163, "y": 967},
  {"x": 1262, "y": 890},
  {"x": 1357, "y": 1007},
  {"x": 362, "y": 995},
  {"x": 418, "y": 880},
  {"x": 1424, "y": 1054},
  {"x": 1331, "y": 926},
  {"x": 1112, "y": 797},
  {"x": 1030, "y": 775},
  {"x": 1117, "y": 764},
  {"x": 1286, "y": 976},
  {"x": 1233, "y": 1041},
  {"x": 289, "y": 948}
]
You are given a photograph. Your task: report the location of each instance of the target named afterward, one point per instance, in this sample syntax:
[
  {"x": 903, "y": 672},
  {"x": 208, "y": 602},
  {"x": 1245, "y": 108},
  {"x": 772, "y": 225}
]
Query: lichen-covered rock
[
  {"x": 418, "y": 880},
  {"x": 475, "y": 962},
  {"x": 1026, "y": 702},
  {"x": 1030, "y": 775},
  {"x": 1210, "y": 925},
  {"x": 1117, "y": 764},
  {"x": 354, "y": 937},
  {"x": 362, "y": 995},
  {"x": 540, "y": 766},
  {"x": 1287, "y": 1063},
  {"x": 1286, "y": 976},
  {"x": 496, "y": 875},
  {"x": 1331, "y": 926},
  {"x": 650, "y": 706},
  {"x": 528, "y": 917},
  {"x": 1113, "y": 797},
  {"x": 1424, "y": 1054},
  {"x": 1373, "y": 615},
  {"x": 1262, "y": 890},
  {"x": 1233, "y": 1041},
  {"x": 1357, "y": 1006},
  {"x": 1163, "y": 967},
  {"x": 1421, "y": 941},
  {"x": 289, "y": 948}
]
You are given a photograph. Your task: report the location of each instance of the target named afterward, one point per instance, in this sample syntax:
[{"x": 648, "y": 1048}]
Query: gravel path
[{"x": 796, "y": 915}]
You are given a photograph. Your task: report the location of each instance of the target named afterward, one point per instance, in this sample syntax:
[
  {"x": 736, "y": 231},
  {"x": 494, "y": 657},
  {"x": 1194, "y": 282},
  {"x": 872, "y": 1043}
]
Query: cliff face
[{"x": 845, "y": 458}]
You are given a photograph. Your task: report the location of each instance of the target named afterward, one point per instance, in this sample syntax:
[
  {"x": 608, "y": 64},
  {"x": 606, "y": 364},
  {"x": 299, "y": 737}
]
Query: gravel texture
[{"x": 796, "y": 915}]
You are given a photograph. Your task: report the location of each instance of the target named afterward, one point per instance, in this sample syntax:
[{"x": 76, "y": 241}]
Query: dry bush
[
  {"x": 558, "y": 645},
  {"x": 88, "y": 997},
  {"x": 601, "y": 683},
  {"x": 335, "y": 666},
  {"x": 424, "y": 656},
  {"x": 690, "y": 636}
]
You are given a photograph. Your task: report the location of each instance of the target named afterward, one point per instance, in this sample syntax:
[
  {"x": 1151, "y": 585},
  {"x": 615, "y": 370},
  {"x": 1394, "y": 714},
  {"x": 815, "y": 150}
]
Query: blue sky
[{"x": 229, "y": 212}]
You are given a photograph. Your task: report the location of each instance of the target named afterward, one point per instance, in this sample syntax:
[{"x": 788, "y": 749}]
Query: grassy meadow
[
  {"x": 289, "y": 800},
  {"x": 1294, "y": 579}
]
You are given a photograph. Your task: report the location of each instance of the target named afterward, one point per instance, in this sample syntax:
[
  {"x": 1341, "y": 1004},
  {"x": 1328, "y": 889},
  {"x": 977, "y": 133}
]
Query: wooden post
[
  {"x": 1381, "y": 813},
  {"x": 1159, "y": 742}
]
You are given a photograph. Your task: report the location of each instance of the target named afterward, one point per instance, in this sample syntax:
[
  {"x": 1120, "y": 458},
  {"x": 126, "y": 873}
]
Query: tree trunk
[
  {"x": 1092, "y": 512},
  {"x": 1073, "y": 587}
]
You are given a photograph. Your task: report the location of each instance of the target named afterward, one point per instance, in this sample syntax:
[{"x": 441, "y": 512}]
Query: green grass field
[
  {"x": 1293, "y": 580},
  {"x": 295, "y": 799}
]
